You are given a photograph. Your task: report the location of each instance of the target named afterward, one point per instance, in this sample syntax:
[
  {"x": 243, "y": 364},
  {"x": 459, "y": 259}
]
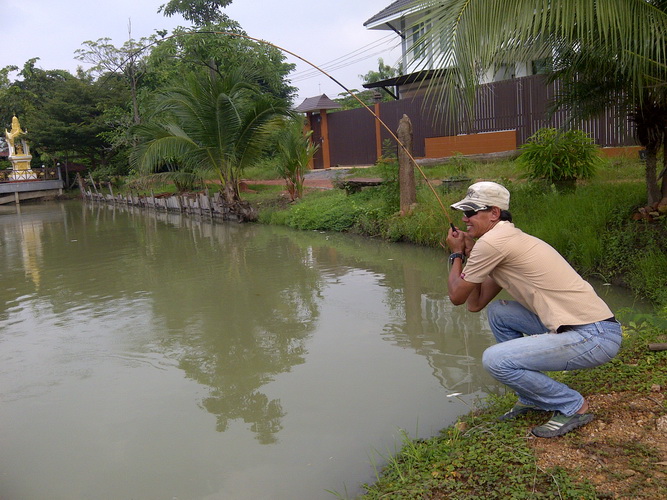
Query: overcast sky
[{"x": 328, "y": 33}]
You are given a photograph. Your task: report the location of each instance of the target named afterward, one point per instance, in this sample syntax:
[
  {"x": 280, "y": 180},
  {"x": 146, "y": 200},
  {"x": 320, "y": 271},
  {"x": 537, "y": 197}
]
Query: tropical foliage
[
  {"x": 210, "y": 125},
  {"x": 474, "y": 36},
  {"x": 217, "y": 49},
  {"x": 593, "y": 81},
  {"x": 294, "y": 151},
  {"x": 128, "y": 62}
]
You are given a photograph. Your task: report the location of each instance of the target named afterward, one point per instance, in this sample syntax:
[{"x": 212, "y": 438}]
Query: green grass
[
  {"x": 475, "y": 170},
  {"x": 573, "y": 222},
  {"x": 471, "y": 460},
  {"x": 266, "y": 169},
  {"x": 504, "y": 169}
]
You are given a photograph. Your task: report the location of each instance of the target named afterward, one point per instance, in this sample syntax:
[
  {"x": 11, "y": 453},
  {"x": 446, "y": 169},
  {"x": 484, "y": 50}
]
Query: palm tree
[
  {"x": 475, "y": 35},
  {"x": 295, "y": 150},
  {"x": 218, "y": 125}
]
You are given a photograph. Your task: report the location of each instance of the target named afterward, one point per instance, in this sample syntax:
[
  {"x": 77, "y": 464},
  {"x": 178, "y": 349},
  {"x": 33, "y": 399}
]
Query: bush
[{"x": 554, "y": 156}]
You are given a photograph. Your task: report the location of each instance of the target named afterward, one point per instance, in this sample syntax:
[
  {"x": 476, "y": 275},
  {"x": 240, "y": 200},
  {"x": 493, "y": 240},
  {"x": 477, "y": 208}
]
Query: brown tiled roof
[
  {"x": 394, "y": 8},
  {"x": 317, "y": 103}
]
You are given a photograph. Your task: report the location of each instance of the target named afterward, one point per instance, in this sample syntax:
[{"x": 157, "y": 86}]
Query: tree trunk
[
  {"x": 663, "y": 174},
  {"x": 652, "y": 190},
  {"x": 242, "y": 209},
  {"x": 406, "y": 170}
]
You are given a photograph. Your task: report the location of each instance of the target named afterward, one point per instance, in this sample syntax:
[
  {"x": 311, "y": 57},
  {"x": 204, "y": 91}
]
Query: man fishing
[{"x": 555, "y": 322}]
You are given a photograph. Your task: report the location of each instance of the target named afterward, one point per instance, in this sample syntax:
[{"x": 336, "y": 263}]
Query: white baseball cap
[{"x": 483, "y": 195}]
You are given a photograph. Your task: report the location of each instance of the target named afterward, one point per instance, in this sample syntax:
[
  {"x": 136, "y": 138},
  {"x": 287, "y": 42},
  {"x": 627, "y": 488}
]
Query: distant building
[{"x": 410, "y": 22}]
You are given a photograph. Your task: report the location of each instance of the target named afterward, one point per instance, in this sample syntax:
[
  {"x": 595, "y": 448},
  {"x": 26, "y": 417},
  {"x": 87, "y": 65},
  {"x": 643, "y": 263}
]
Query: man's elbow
[
  {"x": 457, "y": 300},
  {"x": 474, "y": 307}
]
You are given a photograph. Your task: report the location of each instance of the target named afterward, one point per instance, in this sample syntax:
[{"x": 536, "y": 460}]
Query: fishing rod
[{"x": 363, "y": 104}]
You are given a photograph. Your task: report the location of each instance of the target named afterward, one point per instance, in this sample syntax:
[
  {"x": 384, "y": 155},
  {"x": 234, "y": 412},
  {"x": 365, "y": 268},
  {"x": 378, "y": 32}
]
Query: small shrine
[
  {"x": 21, "y": 182},
  {"x": 19, "y": 152}
]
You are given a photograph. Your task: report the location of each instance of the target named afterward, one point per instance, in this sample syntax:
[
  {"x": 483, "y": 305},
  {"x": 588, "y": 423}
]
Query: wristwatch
[{"x": 457, "y": 255}]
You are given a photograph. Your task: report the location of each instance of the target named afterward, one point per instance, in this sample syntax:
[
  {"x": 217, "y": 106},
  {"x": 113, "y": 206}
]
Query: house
[
  {"x": 410, "y": 21},
  {"x": 511, "y": 105}
]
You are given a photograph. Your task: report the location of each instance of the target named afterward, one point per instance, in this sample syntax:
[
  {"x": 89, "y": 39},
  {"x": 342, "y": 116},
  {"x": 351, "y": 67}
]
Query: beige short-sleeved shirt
[{"x": 535, "y": 275}]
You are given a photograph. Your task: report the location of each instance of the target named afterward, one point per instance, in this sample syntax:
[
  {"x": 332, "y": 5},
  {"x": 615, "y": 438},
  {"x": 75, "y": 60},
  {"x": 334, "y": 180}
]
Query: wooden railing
[{"x": 34, "y": 174}]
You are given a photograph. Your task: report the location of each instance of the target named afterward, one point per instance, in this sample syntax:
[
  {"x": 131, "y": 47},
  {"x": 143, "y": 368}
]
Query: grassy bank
[{"x": 591, "y": 227}]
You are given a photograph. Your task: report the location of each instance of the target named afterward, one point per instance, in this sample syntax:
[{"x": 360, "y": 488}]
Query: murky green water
[{"x": 156, "y": 357}]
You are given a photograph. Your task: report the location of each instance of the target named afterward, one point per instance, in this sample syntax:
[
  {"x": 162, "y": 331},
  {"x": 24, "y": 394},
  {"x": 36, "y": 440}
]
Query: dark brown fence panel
[
  {"x": 352, "y": 137},
  {"x": 392, "y": 112},
  {"x": 424, "y": 123}
]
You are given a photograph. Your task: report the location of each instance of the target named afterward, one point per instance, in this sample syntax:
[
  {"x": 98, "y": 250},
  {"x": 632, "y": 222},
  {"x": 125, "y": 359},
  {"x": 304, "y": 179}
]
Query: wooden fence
[{"x": 518, "y": 105}]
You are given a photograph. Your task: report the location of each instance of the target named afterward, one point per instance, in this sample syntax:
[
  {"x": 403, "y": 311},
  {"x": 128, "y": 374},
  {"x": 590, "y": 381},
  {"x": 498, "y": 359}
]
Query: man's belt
[{"x": 565, "y": 328}]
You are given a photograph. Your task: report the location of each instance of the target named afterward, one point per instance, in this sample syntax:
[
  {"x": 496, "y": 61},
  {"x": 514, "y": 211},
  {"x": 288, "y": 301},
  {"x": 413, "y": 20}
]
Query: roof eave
[{"x": 396, "y": 16}]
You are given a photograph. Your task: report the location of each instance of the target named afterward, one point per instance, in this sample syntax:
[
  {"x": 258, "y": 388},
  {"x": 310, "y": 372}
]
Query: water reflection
[
  {"x": 422, "y": 318},
  {"x": 238, "y": 315},
  {"x": 231, "y": 313}
]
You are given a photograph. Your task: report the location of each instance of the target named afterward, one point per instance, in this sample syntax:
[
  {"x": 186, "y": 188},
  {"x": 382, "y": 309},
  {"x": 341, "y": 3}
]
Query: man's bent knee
[{"x": 490, "y": 360}]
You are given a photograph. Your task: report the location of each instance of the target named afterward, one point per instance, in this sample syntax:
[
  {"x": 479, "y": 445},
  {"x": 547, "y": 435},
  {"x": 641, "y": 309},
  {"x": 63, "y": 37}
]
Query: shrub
[{"x": 555, "y": 155}]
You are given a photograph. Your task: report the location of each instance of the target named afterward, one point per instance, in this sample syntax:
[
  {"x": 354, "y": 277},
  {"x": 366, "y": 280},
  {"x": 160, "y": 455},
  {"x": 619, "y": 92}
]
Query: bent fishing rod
[{"x": 363, "y": 104}]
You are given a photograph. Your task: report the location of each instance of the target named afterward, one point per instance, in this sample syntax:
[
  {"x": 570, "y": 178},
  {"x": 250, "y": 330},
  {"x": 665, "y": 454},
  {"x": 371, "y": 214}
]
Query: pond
[{"x": 154, "y": 356}]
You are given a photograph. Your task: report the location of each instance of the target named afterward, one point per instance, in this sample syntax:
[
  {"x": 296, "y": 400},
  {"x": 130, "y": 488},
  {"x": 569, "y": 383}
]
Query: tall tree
[
  {"x": 127, "y": 61},
  {"x": 70, "y": 122},
  {"x": 350, "y": 100},
  {"x": 215, "y": 50},
  {"x": 211, "y": 124},
  {"x": 28, "y": 91},
  {"x": 383, "y": 72},
  {"x": 474, "y": 35},
  {"x": 199, "y": 12}
]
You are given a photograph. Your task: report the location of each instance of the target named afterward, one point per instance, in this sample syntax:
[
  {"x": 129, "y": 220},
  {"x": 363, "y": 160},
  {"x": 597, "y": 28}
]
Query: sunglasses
[{"x": 472, "y": 213}]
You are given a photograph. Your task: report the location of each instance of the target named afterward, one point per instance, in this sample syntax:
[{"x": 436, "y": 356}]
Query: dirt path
[
  {"x": 623, "y": 452},
  {"x": 316, "y": 179}
]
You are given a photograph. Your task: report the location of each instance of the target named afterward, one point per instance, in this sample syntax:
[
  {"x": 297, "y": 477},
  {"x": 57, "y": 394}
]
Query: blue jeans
[{"x": 525, "y": 349}]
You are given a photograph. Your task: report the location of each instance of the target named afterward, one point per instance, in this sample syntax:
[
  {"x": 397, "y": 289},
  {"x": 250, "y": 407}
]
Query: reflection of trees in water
[
  {"x": 451, "y": 340},
  {"x": 234, "y": 305},
  {"x": 415, "y": 279},
  {"x": 240, "y": 320}
]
